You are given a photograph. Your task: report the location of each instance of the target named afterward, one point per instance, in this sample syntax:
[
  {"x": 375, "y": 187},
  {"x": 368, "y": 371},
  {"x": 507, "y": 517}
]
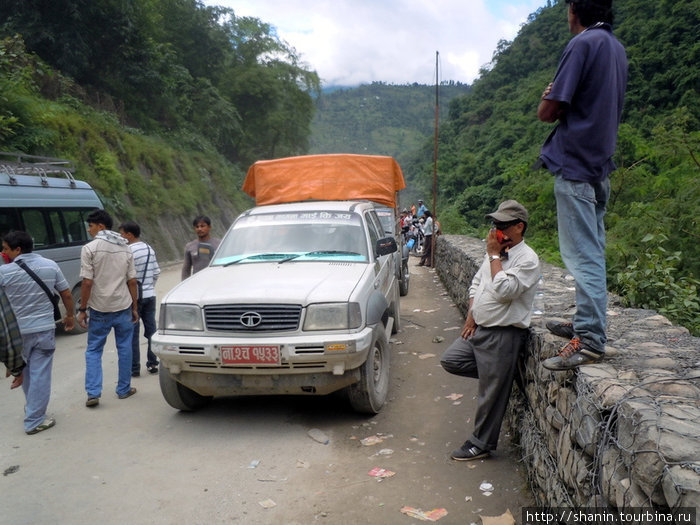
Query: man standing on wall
[
  {"x": 147, "y": 272},
  {"x": 495, "y": 331},
  {"x": 108, "y": 299},
  {"x": 586, "y": 97},
  {"x": 198, "y": 253},
  {"x": 34, "y": 311}
]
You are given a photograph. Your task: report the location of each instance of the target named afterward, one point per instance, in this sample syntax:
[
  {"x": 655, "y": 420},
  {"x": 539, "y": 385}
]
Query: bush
[{"x": 650, "y": 282}]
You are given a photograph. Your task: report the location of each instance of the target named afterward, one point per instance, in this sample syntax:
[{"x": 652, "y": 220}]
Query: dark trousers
[
  {"x": 427, "y": 251},
  {"x": 491, "y": 356},
  {"x": 147, "y": 315}
]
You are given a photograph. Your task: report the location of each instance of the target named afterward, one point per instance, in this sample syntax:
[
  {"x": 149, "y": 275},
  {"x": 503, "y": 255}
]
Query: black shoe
[
  {"x": 469, "y": 452},
  {"x": 565, "y": 330},
  {"x": 92, "y": 402},
  {"x": 135, "y": 374},
  {"x": 152, "y": 369}
]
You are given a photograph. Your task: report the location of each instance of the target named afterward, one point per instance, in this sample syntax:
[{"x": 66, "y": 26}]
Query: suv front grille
[{"x": 252, "y": 317}]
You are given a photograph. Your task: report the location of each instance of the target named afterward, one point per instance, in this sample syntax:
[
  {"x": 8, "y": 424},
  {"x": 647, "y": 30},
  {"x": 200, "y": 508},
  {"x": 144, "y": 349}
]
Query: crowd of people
[{"x": 119, "y": 272}]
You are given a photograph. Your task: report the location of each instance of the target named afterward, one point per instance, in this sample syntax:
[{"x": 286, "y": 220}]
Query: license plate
[{"x": 250, "y": 355}]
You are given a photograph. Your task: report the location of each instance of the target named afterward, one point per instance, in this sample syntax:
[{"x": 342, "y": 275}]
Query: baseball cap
[{"x": 508, "y": 211}]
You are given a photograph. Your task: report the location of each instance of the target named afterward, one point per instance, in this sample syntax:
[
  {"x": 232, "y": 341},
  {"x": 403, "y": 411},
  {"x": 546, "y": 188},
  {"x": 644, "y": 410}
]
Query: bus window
[
  {"x": 8, "y": 221},
  {"x": 75, "y": 223},
  {"x": 37, "y": 227},
  {"x": 59, "y": 232}
]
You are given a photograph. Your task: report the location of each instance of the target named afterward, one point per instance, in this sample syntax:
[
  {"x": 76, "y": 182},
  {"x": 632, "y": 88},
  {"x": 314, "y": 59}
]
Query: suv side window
[{"x": 373, "y": 233}]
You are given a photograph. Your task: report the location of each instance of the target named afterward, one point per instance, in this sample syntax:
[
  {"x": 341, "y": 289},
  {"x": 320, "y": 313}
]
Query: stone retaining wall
[{"x": 622, "y": 433}]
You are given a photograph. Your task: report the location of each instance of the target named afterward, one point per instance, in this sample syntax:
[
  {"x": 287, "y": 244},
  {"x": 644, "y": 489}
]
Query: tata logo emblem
[{"x": 251, "y": 319}]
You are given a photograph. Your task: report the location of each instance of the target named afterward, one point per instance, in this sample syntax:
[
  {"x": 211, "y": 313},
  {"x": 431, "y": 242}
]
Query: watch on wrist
[
  {"x": 494, "y": 258},
  {"x": 82, "y": 309}
]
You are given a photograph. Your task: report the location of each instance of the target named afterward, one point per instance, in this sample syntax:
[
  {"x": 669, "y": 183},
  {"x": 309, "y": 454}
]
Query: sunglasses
[{"x": 505, "y": 225}]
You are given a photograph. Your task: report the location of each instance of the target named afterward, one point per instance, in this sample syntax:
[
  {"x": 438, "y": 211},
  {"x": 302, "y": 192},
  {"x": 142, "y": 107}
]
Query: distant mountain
[{"x": 379, "y": 118}]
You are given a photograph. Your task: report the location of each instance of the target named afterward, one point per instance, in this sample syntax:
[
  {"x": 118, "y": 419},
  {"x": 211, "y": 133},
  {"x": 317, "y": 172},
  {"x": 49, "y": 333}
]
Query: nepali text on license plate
[{"x": 250, "y": 354}]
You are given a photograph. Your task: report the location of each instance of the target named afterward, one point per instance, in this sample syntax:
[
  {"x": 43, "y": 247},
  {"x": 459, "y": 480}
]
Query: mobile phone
[{"x": 500, "y": 237}]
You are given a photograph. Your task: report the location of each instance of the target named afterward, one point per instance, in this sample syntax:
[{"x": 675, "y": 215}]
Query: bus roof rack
[{"x": 23, "y": 164}]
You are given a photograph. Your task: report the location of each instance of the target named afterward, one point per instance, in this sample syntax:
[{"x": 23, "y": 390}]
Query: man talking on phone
[{"x": 495, "y": 332}]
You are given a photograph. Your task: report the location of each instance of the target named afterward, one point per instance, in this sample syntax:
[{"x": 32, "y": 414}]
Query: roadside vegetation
[{"x": 163, "y": 105}]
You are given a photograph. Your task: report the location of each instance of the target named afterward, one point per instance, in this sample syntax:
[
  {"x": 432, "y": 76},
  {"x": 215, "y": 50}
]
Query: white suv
[{"x": 300, "y": 298}]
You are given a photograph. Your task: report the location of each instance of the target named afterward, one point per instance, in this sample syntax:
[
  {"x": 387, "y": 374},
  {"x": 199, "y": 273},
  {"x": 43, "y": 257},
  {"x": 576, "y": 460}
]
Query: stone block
[
  {"x": 565, "y": 401},
  {"x": 651, "y": 441},
  {"x": 586, "y": 425},
  {"x": 610, "y": 392},
  {"x": 681, "y": 485},
  {"x": 554, "y": 417},
  {"x": 677, "y": 388},
  {"x": 613, "y": 472},
  {"x": 660, "y": 362}
]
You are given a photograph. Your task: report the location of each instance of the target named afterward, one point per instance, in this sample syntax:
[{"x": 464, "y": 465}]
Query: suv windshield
[{"x": 290, "y": 236}]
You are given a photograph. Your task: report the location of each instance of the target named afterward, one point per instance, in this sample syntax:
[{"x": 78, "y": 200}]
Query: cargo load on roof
[{"x": 325, "y": 177}]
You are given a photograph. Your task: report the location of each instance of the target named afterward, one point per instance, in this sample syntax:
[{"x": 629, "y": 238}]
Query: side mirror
[{"x": 386, "y": 246}]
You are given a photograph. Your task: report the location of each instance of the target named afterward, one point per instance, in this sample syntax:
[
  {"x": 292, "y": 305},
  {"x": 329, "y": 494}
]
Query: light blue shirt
[{"x": 30, "y": 303}]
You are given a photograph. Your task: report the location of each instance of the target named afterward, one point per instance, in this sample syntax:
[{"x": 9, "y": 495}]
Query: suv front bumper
[{"x": 309, "y": 364}]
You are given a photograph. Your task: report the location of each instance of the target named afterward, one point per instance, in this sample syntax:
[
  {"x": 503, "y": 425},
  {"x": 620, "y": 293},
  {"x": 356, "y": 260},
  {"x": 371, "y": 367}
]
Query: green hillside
[
  {"x": 493, "y": 137},
  {"x": 163, "y": 104}
]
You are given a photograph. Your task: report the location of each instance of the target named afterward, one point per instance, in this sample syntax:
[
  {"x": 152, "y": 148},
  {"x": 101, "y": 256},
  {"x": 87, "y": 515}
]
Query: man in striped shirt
[
  {"x": 147, "y": 272},
  {"x": 34, "y": 312}
]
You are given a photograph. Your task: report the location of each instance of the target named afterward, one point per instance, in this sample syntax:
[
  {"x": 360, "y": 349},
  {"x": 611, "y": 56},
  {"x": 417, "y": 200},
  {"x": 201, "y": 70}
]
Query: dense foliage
[
  {"x": 175, "y": 67},
  {"x": 492, "y": 139}
]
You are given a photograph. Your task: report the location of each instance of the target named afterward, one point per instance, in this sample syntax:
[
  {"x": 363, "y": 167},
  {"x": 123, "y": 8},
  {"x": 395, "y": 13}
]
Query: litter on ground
[
  {"x": 379, "y": 472},
  {"x": 429, "y": 515}
]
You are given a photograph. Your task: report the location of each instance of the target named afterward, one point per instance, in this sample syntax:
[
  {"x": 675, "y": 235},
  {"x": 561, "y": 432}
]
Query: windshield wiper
[
  {"x": 318, "y": 252},
  {"x": 332, "y": 252},
  {"x": 257, "y": 256}
]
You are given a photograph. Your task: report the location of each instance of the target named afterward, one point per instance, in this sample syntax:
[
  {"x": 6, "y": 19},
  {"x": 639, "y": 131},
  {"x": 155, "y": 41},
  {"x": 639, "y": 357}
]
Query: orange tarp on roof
[{"x": 325, "y": 177}]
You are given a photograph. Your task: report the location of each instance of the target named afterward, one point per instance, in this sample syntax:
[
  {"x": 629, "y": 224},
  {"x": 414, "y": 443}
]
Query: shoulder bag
[{"x": 53, "y": 297}]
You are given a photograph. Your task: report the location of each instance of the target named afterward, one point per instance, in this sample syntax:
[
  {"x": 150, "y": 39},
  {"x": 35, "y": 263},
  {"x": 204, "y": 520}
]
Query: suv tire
[
  {"x": 369, "y": 394},
  {"x": 178, "y": 395}
]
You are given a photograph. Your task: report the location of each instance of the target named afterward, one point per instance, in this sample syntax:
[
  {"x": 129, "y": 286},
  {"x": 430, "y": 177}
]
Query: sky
[{"x": 352, "y": 42}]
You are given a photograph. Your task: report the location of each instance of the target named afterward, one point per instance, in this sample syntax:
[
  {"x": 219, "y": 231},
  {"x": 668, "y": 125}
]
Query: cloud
[{"x": 349, "y": 42}]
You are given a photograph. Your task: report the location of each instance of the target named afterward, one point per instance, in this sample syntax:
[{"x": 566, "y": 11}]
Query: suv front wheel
[
  {"x": 369, "y": 394},
  {"x": 178, "y": 395}
]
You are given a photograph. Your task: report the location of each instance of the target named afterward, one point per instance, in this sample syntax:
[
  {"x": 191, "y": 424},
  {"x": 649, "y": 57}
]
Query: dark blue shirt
[{"x": 590, "y": 82}]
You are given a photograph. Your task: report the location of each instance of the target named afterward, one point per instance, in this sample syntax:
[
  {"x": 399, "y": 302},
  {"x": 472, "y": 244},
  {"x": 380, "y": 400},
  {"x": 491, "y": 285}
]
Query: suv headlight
[
  {"x": 333, "y": 316},
  {"x": 181, "y": 317}
]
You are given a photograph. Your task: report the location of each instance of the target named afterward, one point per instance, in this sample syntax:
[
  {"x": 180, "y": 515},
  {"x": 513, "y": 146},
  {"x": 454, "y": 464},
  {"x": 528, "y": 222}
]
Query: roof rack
[{"x": 21, "y": 164}]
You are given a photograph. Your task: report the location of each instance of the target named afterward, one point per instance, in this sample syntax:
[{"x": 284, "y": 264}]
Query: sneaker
[
  {"x": 565, "y": 330},
  {"x": 152, "y": 369},
  {"x": 469, "y": 452},
  {"x": 130, "y": 393},
  {"x": 92, "y": 401},
  {"x": 575, "y": 353},
  {"x": 47, "y": 424}
]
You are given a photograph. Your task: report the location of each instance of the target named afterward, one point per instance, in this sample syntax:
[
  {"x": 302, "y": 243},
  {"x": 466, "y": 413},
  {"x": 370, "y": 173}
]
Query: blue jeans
[
  {"x": 99, "y": 326},
  {"x": 38, "y": 355},
  {"x": 580, "y": 212},
  {"x": 147, "y": 313}
]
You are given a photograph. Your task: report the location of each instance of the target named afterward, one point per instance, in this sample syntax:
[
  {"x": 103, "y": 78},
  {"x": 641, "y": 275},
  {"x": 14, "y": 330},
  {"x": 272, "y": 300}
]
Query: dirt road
[{"x": 251, "y": 460}]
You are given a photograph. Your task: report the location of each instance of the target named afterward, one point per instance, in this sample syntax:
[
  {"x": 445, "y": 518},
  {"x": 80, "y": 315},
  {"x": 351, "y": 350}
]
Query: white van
[{"x": 39, "y": 195}]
